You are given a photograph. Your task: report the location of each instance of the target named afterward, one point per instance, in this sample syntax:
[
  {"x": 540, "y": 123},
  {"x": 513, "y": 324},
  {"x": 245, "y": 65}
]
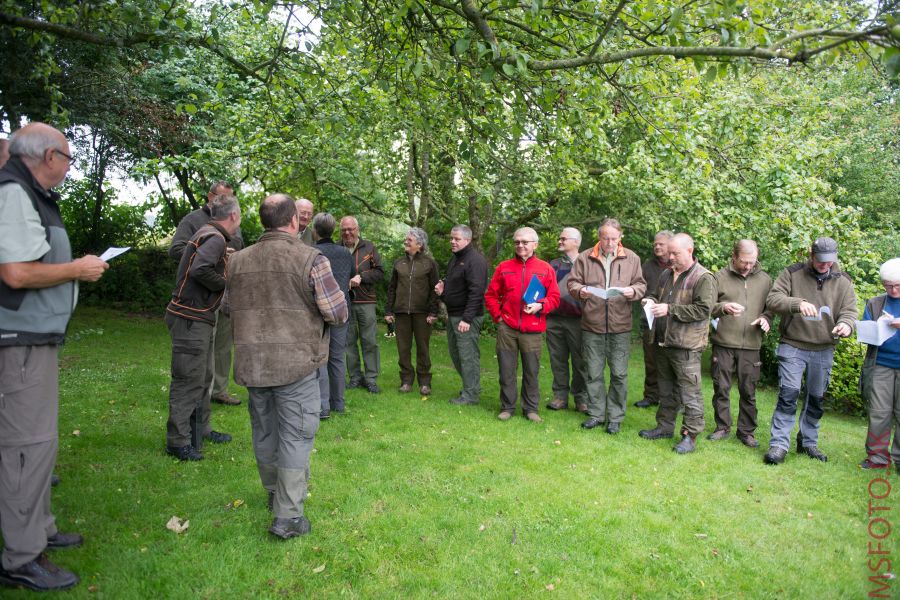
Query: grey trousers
[
  {"x": 466, "y": 355},
  {"x": 511, "y": 345},
  {"x": 679, "y": 384},
  {"x": 192, "y": 343},
  {"x": 221, "y": 355},
  {"x": 332, "y": 375},
  {"x": 600, "y": 349},
  {"x": 882, "y": 394},
  {"x": 362, "y": 333},
  {"x": 564, "y": 344},
  {"x": 284, "y": 420},
  {"x": 29, "y": 407},
  {"x": 792, "y": 364}
]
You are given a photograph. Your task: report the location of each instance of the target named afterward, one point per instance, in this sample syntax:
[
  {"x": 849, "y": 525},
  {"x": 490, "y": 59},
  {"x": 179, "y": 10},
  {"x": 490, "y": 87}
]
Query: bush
[
  {"x": 140, "y": 280},
  {"x": 843, "y": 390}
]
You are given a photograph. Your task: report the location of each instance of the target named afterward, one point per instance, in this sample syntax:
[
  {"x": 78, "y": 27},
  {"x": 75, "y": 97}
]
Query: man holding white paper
[
  {"x": 606, "y": 321},
  {"x": 807, "y": 345},
  {"x": 742, "y": 318},
  {"x": 881, "y": 373},
  {"x": 520, "y": 324}
]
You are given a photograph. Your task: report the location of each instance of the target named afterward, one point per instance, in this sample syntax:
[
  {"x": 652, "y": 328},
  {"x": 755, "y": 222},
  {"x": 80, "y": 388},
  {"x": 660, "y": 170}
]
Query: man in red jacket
[{"x": 520, "y": 323}]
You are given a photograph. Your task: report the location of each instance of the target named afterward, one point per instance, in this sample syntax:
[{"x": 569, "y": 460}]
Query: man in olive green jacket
[
  {"x": 739, "y": 322},
  {"x": 680, "y": 306}
]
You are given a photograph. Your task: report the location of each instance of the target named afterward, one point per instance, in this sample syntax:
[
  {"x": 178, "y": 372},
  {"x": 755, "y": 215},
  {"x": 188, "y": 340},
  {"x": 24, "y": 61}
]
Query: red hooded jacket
[{"x": 504, "y": 294}]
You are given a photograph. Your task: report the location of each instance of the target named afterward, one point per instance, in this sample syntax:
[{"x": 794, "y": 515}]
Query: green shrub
[
  {"x": 843, "y": 390},
  {"x": 140, "y": 280}
]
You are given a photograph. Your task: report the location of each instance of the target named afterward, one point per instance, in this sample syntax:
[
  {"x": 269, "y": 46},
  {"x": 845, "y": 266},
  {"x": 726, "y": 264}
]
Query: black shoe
[
  {"x": 185, "y": 453},
  {"x": 686, "y": 445},
  {"x": 462, "y": 401},
  {"x": 775, "y": 456},
  {"x": 655, "y": 434},
  {"x": 290, "y": 528},
  {"x": 373, "y": 388},
  {"x": 54, "y": 480},
  {"x": 65, "y": 540},
  {"x": 612, "y": 428},
  {"x": 324, "y": 415},
  {"x": 645, "y": 403},
  {"x": 814, "y": 452},
  {"x": 591, "y": 423},
  {"x": 355, "y": 383},
  {"x": 217, "y": 437},
  {"x": 39, "y": 575}
]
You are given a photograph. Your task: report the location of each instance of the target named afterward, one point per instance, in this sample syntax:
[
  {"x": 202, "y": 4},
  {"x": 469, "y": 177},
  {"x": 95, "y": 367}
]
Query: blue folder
[{"x": 535, "y": 291}]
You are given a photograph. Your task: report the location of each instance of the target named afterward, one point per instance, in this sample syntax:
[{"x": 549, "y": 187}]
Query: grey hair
[
  {"x": 890, "y": 271},
  {"x": 527, "y": 231},
  {"x": 665, "y": 233},
  {"x": 462, "y": 230},
  {"x": 420, "y": 235},
  {"x": 223, "y": 206},
  {"x": 744, "y": 246},
  {"x": 323, "y": 224},
  {"x": 33, "y": 142},
  {"x": 614, "y": 223},
  {"x": 574, "y": 233},
  {"x": 221, "y": 183}
]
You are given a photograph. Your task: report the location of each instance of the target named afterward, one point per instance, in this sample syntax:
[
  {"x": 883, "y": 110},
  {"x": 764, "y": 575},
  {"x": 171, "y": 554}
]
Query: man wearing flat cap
[{"x": 817, "y": 305}]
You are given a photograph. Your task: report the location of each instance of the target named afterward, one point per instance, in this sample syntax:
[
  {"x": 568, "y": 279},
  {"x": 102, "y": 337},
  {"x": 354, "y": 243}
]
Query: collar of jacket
[
  {"x": 595, "y": 253},
  {"x": 18, "y": 169},
  {"x": 464, "y": 251},
  {"x": 275, "y": 234},
  {"x": 526, "y": 261},
  {"x": 326, "y": 240},
  {"x": 756, "y": 269},
  {"x": 833, "y": 272},
  {"x": 222, "y": 230}
]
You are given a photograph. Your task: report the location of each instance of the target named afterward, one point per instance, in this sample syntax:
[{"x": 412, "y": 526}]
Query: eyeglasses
[
  {"x": 68, "y": 158},
  {"x": 524, "y": 242},
  {"x": 890, "y": 286}
]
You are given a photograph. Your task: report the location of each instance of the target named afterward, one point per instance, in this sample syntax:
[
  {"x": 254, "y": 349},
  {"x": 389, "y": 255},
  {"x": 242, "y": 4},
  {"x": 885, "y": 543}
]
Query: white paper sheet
[
  {"x": 875, "y": 333},
  {"x": 822, "y": 311},
  {"x": 605, "y": 294},
  {"x": 649, "y": 314},
  {"x": 113, "y": 252}
]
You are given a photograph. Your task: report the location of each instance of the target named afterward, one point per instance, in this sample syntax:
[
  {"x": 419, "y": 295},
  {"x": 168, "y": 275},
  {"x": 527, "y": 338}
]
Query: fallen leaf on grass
[
  {"x": 234, "y": 504},
  {"x": 319, "y": 569},
  {"x": 424, "y": 398},
  {"x": 700, "y": 536},
  {"x": 715, "y": 551},
  {"x": 809, "y": 515},
  {"x": 550, "y": 587},
  {"x": 749, "y": 489},
  {"x": 177, "y": 524},
  {"x": 76, "y": 433},
  {"x": 481, "y": 527},
  {"x": 92, "y": 588},
  {"x": 557, "y": 442}
]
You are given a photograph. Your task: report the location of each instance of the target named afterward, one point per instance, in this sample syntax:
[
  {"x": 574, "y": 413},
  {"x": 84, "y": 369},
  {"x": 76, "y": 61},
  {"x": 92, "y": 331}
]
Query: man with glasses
[
  {"x": 521, "y": 321},
  {"x": 817, "y": 304},
  {"x": 368, "y": 270},
  {"x": 607, "y": 279},
  {"x": 305, "y": 215},
  {"x": 220, "y": 358},
  {"x": 38, "y": 288},
  {"x": 564, "y": 330},
  {"x": 881, "y": 374}
]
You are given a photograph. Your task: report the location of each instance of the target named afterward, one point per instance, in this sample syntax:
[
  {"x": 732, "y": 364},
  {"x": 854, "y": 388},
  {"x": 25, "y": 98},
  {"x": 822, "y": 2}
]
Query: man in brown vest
[
  {"x": 281, "y": 294},
  {"x": 680, "y": 306}
]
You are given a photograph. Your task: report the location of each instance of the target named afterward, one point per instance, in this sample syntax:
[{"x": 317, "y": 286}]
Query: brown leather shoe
[
  {"x": 425, "y": 390},
  {"x": 582, "y": 408},
  {"x": 748, "y": 440},
  {"x": 534, "y": 417},
  {"x": 558, "y": 404},
  {"x": 505, "y": 415},
  {"x": 719, "y": 434},
  {"x": 227, "y": 399},
  {"x": 405, "y": 388}
]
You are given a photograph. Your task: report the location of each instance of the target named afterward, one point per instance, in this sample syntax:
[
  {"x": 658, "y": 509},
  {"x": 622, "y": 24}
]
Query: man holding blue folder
[{"x": 521, "y": 293}]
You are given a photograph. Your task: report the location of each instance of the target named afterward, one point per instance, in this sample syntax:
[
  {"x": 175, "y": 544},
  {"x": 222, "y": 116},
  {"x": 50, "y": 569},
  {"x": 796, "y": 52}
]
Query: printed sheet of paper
[
  {"x": 822, "y": 311},
  {"x": 113, "y": 252},
  {"x": 605, "y": 294},
  {"x": 875, "y": 333},
  {"x": 649, "y": 314}
]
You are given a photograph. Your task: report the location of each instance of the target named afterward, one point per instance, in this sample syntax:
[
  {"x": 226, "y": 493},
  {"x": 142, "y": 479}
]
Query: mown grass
[{"x": 419, "y": 498}]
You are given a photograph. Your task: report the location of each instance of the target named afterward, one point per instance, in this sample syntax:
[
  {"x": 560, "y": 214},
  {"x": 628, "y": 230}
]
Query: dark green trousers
[
  {"x": 362, "y": 334},
  {"x": 564, "y": 346},
  {"x": 192, "y": 343},
  {"x": 679, "y": 383},
  {"x": 466, "y": 355},
  {"x": 601, "y": 349},
  {"x": 411, "y": 327}
]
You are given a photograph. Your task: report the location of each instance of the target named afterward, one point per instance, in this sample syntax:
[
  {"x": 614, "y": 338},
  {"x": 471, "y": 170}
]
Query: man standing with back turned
[{"x": 38, "y": 288}]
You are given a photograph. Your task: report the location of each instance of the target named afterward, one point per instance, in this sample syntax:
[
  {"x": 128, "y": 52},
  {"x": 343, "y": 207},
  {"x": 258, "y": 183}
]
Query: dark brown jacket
[
  {"x": 411, "y": 289},
  {"x": 200, "y": 282},
  {"x": 367, "y": 264},
  {"x": 690, "y": 299}
]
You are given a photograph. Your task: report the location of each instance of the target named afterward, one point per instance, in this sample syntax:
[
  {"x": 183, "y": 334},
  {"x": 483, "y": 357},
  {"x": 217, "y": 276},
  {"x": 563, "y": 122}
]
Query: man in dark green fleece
[
  {"x": 740, "y": 322},
  {"x": 817, "y": 305}
]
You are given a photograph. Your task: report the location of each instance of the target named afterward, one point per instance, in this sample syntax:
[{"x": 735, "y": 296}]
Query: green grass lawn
[{"x": 414, "y": 497}]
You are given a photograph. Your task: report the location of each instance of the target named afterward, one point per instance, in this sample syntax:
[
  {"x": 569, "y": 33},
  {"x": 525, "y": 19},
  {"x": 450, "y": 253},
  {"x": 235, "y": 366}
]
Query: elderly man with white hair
[
  {"x": 521, "y": 320},
  {"x": 881, "y": 374},
  {"x": 564, "y": 330},
  {"x": 38, "y": 288},
  {"x": 305, "y": 215}
]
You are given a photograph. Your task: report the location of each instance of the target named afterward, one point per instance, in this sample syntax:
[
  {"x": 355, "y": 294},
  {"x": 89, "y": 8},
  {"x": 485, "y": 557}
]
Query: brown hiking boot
[
  {"x": 719, "y": 434},
  {"x": 226, "y": 399},
  {"x": 558, "y": 404}
]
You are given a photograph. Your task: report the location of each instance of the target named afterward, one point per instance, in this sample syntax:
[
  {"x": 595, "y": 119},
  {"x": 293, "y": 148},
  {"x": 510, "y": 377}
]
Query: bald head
[
  {"x": 681, "y": 252},
  {"x": 277, "y": 212},
  {"x": 44, "y": 150}
]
